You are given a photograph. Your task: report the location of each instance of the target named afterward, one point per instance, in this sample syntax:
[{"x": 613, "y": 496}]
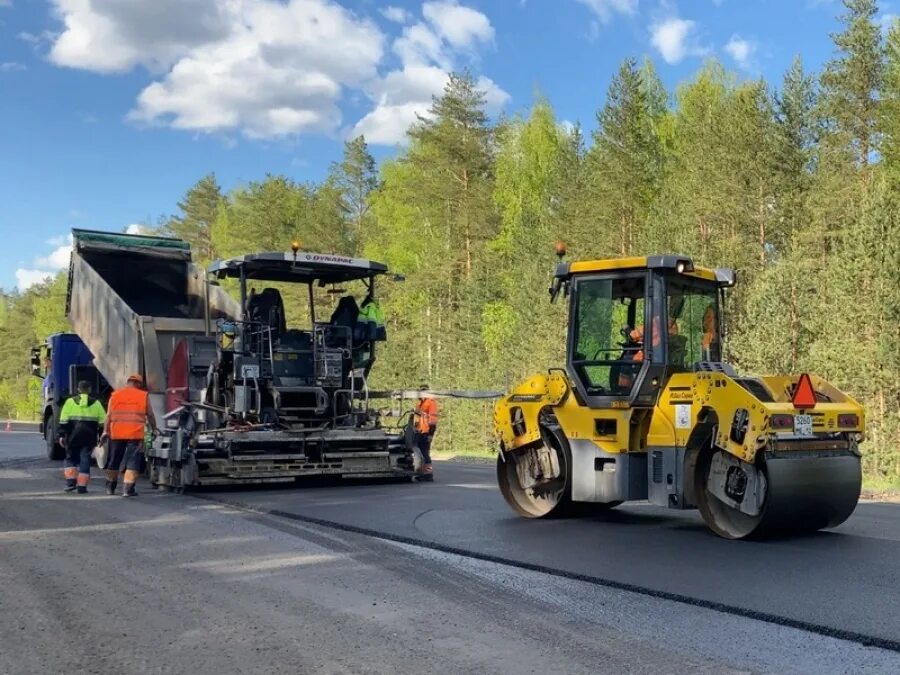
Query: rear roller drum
[{"x": 790, "y": 493}]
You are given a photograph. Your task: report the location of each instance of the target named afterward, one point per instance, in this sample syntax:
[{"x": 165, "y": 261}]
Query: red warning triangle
[{"x": 804, "y": 394}]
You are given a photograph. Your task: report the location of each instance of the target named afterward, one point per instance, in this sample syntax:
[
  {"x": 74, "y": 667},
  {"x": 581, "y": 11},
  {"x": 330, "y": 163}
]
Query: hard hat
[{"x": 135, "y": 377}]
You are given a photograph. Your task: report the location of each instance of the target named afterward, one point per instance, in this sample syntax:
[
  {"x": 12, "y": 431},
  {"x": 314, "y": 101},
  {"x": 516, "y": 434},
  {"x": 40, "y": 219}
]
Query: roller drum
[{"x": 805, "y": 491}]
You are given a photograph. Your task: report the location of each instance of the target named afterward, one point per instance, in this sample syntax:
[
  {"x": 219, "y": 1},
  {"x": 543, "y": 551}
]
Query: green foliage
[
  {"x": 353, "y": 180},
  {"x": 798, "y": 189},
  {"x": 199, "y": 209}
]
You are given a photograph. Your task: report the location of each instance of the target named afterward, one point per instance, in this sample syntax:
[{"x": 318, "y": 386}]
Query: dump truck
[
  {"x": 646, "y": 408},
  {"x": 236, "y": 396}
]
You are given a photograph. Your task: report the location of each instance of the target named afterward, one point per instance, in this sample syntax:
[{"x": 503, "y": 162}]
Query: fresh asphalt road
[
  {"x": 847, "y": 579},
  {"x": 234, "y": 582}
]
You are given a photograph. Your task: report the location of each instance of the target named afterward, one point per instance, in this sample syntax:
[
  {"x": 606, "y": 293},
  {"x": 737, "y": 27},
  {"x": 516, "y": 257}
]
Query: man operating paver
[{"x": 80, "y": 422}]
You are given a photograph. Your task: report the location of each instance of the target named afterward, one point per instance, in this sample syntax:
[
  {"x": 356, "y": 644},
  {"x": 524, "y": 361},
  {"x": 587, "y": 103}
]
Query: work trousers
[
  {"x": 77, "y": 465},
  {"x": 124, "y": 456},
  {"x": 423, "y": 443}
]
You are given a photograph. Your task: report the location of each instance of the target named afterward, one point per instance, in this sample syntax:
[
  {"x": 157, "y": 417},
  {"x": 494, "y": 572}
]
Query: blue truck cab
[{"x": 61, "y": 361}]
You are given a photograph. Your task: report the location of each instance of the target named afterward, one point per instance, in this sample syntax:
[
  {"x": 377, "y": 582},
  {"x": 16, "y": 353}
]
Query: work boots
[
  {"x": 129, "y": 490},
  {"x": 82, "y": 489},
  {"x": 427, "y": 474},
  {"x": 110, "y": 487},
  {"x": 70, "y": 486}
]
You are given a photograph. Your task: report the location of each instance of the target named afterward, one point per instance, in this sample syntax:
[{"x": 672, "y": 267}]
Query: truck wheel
[{"x": 55, "y": 451}]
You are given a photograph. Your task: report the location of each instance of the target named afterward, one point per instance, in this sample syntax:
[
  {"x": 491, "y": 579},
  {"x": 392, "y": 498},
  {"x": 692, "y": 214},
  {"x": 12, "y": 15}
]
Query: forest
[{"x": 795, "y": 184}]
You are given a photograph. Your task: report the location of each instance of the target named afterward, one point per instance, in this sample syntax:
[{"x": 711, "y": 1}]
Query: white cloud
[
  {"x": 675, "y": 39},
  {"x": 428, "y": 50},
  {"x": 135, "y": 228},
  {"x": 115, "y": 36},
  {"x": 58, "y": 258},
  {"x": 395, "y": 14},
  {"x": 263, "y": 67},
  {"x": 461, "y": 27},
  {"x": 740, "y": 50},
  {"x": 271, "y": 68},
  {"x": 46, "y": 266},
  {"x": 12, "y": 66},
  {"x": 604, "y": 9},
  {"x": 419, "y": 45},
  {"x": 26, "y": 278}
]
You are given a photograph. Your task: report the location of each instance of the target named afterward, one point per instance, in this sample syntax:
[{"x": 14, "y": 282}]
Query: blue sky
[{"x": 111, "y": 109}]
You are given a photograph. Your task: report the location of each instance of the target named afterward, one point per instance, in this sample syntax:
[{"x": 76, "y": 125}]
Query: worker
[
  {"x": 371, "y": 320},
  {"x": 426, "y": 416},
  {"x": 626, "y": 376},
  {"x": 227, "y": 333},
  {"x": 80, "y": 422},
  {"x": 129, "y": 413},
  {"x": 710, "y": 341}
]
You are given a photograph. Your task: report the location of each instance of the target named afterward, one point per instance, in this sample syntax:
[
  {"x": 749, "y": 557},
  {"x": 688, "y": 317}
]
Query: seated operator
[{"x": 635, "y": 349}]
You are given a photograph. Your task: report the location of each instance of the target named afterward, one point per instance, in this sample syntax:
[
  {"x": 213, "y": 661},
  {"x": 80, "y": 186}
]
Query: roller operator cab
[{"x": 646, "y": 408}]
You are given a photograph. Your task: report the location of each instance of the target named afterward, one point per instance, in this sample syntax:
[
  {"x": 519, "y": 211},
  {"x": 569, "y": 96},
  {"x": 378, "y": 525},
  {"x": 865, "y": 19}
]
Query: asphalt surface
[
  {"x": 171, "y": 583},
  {"x": 22, "y": 440}
]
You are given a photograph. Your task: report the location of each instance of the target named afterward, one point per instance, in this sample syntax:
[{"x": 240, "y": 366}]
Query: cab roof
[
  {"x": 680, "y": 264},
  {"x": 302, "y": 267}
]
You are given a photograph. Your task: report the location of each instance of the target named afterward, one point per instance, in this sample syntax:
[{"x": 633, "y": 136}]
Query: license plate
[{"x": 803, "y": 425}]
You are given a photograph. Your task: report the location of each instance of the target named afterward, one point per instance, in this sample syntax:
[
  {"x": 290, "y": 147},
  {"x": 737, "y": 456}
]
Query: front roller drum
[
  {"x": 790, "y": 492},
  {"x": 537, "y": 481},
  {"x": 547, "y": 497}
]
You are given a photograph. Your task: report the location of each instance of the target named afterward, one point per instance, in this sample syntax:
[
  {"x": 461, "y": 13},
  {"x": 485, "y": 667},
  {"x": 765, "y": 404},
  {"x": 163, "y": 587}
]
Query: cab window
[
  {"x": 693, "y": 315},
  {"x": 607, "y": 341}
]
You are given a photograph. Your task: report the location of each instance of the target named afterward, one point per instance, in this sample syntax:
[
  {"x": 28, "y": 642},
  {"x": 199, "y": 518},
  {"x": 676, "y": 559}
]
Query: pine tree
[
  {"x": 625, "y": 162},
  {"x": 355, "y": 177},
  {"x": 198, "y": 213},
  {"x": 795, "y": 146},
  {"x": 889, "y": 119},
  {"x": 851, "y": 81}
]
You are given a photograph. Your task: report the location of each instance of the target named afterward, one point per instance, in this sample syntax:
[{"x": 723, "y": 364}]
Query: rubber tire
[{"x": 55, "y": 452}]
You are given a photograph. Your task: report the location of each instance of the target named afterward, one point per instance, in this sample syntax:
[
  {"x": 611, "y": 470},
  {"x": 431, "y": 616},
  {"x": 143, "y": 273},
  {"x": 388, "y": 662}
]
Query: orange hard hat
[{"x": 135, "y": 377}]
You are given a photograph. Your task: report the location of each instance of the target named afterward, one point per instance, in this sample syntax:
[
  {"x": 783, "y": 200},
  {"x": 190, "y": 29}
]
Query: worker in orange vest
[
  {"x": 128, "y": 414},
  {"x": 626, "y": 377},
  {"x": 426, "y": 417}
]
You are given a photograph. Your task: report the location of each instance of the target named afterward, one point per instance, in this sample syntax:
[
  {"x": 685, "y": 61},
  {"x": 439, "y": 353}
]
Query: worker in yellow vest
[
  {"x": 129, "y": 414},
  {"x": 80, "y": 422}
]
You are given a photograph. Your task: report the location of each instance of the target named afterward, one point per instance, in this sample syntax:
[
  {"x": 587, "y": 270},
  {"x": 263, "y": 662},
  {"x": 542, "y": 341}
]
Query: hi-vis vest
[
  {"x": 426, "y": 415},
  {"x": 127, "y": 414},
  {"x": 81, "y": 419},
  {"x": 371, "y": 321}
]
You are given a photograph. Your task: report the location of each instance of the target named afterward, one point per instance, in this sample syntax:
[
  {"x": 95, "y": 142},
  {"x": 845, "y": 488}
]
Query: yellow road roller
[{"x": 647, "y": 409}]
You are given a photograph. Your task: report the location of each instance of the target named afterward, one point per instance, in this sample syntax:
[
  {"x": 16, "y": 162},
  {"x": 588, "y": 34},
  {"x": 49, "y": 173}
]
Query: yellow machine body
[{"x": 649, "y": 423}]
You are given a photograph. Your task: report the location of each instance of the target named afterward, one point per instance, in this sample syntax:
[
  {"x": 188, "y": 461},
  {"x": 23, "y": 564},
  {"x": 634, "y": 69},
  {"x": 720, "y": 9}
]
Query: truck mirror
[{"x": 36, "y": 361}]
